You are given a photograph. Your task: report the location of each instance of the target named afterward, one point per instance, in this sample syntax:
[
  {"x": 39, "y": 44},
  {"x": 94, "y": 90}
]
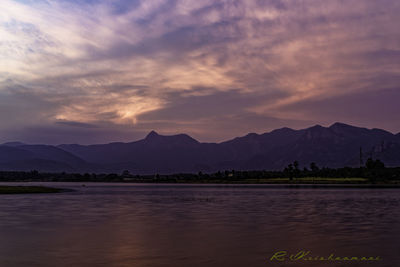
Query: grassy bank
[
  {"x": 303, "y": 180},
  {"x": 312, "y": 180},
  {"x": 28, "y": 189}
]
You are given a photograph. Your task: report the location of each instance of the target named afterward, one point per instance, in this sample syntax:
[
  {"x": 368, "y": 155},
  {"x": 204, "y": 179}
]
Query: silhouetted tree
[
  {"x": 296, "y": 170},
  {"x": 290, "y": 170},
  {"x": 374, "y": 164},
  {"x": 34, "y": 173},
  {"x": 314, "y": 167},
  {"x": 296, "y": 165},
  {"x": 126, "y": 174}
]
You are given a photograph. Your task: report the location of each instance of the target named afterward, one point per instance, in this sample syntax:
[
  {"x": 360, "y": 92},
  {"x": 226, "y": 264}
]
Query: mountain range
[{"x": 336, "y": 146}]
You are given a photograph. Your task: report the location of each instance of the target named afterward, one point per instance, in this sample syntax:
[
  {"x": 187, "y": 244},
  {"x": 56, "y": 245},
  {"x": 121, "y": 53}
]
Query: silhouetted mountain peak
[
  {"x": 186, "y": 137},
  {"x": 283, "y": 130},
  {"x": 154, "y": 137},
  {"x": 316, "y": 127},
  {"x": 338, "y": 125},
  {"x": 334, "y": 146},
  {"x": 251, "y": 135},
  {"x": 381, "y": 131},
  {"x": 342, "y": 128},
  {"x": 152, "y": 134},
  {"x": 318, "y": 131}
]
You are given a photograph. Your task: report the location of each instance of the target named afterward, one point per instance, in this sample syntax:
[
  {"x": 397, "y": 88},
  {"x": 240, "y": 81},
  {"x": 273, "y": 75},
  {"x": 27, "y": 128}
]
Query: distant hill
[
  {"x": 335, "y": 146},
  {"x": 19, "y": 156}
]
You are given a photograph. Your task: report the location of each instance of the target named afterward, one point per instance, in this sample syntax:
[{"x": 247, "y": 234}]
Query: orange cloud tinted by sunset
[{"x": 97, "y": 71}]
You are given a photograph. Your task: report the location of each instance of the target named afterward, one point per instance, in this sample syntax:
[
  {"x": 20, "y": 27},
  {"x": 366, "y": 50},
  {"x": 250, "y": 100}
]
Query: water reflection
[{"x": 165, "y": 225}]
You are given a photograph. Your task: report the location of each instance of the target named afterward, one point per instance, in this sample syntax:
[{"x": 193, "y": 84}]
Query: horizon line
[{"x": 223, "y": 141}]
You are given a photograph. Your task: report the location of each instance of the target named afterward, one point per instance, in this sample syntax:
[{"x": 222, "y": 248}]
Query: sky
[{"x": 98, "y": 71}]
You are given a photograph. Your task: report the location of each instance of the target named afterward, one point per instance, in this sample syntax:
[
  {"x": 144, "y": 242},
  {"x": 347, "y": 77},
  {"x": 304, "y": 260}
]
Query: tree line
[{"x": 374, "y": 171}]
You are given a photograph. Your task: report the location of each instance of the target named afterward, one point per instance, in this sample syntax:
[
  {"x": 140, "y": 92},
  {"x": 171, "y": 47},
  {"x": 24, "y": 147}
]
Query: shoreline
[
  {"x": 37, "y": 187},
  {"x": 23, "y": 189}
]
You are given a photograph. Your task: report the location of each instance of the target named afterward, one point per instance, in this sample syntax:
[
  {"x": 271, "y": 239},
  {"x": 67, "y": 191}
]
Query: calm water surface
[{"x": 197, "y": 225}]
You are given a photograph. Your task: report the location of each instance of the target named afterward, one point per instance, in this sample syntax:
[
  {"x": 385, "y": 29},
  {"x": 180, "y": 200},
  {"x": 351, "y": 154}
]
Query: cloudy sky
[{"x": 97, "y": 71}]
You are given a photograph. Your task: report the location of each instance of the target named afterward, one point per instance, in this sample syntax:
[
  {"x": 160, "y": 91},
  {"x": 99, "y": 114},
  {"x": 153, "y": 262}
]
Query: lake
[{"x": 198, "y": 225}]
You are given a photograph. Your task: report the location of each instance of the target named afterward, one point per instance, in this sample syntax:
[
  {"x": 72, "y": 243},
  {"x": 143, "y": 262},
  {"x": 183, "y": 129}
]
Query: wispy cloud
[{"x": 127, "y": 64}]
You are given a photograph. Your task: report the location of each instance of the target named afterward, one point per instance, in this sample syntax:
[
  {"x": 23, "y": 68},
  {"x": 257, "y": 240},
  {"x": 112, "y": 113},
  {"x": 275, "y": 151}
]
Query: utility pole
[{"x": 361, "y": 159}]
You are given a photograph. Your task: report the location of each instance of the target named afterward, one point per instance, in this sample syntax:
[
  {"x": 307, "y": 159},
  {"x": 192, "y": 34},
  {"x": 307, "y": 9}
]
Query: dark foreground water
[{"x": 204, "y": 225}]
